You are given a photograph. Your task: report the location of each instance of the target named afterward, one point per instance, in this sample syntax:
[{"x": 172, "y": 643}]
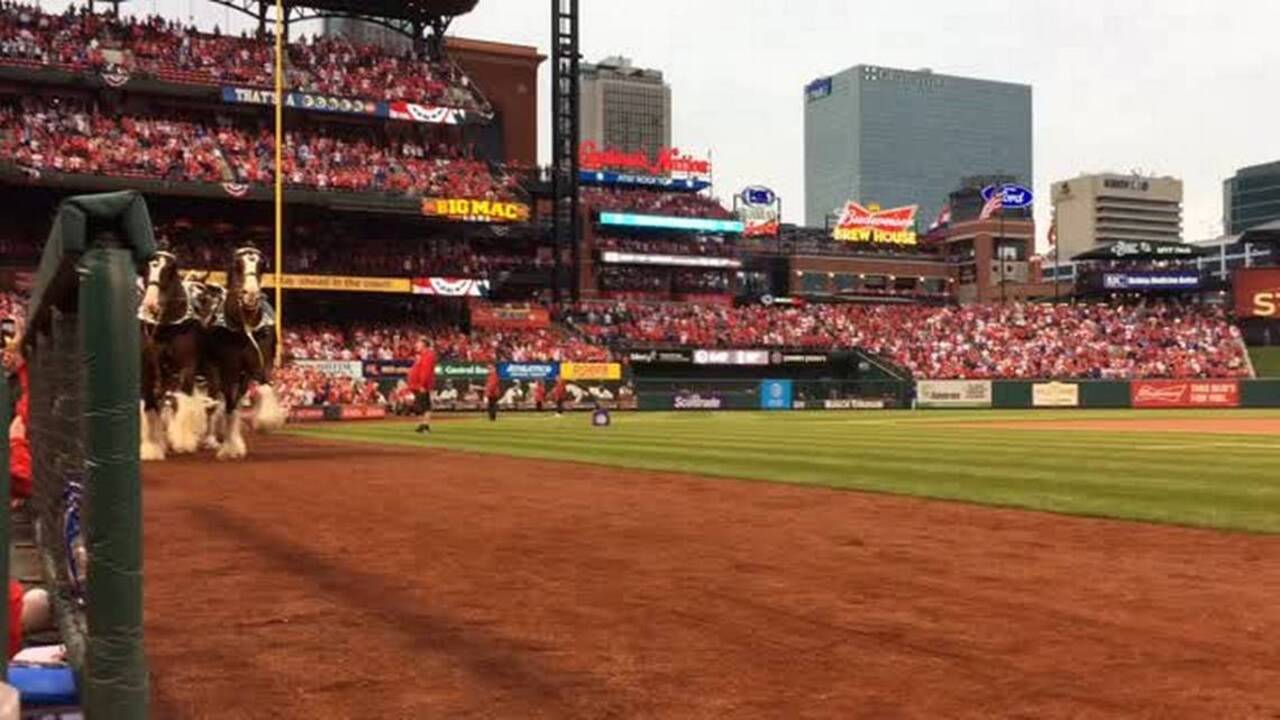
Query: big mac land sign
[
  {"x": 896, "y": 226},
  {"x": 1257, "y": 292},
  {"x": 472, "y": 210}
]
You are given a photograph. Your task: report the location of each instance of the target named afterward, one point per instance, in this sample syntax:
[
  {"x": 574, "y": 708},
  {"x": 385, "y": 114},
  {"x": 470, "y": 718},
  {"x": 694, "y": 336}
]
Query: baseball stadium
[{"x": 314, "y": 366}]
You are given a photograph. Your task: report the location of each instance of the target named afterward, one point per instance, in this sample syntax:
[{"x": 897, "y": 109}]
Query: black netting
[{"x": 58, "y": 464}]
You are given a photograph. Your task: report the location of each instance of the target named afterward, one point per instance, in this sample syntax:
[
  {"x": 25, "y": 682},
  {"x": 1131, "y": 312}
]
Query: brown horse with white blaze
[{"x": 240, "y": 350}]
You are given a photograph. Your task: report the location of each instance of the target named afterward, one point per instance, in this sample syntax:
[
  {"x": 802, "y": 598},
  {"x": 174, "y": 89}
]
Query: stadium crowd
[
  {"x": 78, "y": 40},
  {"x": 480, "y": 345},
  {"x": 652, "y": 202},
  {"x": 327, "y": 249},
  {"x": 1016, "y": 340},
  {"x": 67, "y": 136}
]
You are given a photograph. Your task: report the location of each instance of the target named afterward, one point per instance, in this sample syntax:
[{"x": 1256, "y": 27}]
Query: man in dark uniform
[{"x": 422, "y": 380}]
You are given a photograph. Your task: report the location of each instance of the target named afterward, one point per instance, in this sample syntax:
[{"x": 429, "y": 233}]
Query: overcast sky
[{"x": 1189, "y": 88}]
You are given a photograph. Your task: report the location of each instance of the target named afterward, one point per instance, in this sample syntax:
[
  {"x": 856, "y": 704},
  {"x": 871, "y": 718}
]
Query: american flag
[{"x": 994, "y": 205}]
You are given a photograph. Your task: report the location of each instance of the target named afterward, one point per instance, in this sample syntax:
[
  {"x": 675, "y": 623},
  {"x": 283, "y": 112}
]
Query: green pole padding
[{"x": 115, "y": 678}]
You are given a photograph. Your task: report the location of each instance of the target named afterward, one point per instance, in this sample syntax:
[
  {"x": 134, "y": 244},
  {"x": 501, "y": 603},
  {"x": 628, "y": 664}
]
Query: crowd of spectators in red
[
  {"x": 66, "y": 136},
  {"x": 395, "y": 342},
  {"x": 300, "y": 386},
  {"x": 340, "y": 250},
  {"x": 1016, "y": 340},
  {"x": 79, "y": 40},
  {"x": 653, "y": 202}
]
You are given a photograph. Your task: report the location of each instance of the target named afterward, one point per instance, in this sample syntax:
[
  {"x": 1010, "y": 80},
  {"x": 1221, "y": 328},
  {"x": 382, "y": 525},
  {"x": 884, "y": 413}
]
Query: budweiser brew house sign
[
  {"x": 895, "y": 226},
  {"x": 670, "y": 162}
]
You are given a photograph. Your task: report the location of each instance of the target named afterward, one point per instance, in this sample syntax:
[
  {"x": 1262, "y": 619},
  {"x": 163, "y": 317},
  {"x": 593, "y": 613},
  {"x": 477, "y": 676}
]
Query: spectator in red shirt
[
  {"x": 491, "y": 392},
  {"x": 422, "y": 380}
]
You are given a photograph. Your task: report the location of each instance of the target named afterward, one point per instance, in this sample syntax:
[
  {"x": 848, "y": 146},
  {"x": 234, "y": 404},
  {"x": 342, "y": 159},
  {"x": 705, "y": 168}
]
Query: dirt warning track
[{"x": 337, "y": 581}]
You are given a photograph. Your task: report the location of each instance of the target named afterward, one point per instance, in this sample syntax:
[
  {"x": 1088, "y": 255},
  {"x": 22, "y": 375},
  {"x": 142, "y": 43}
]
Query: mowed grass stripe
[
  {"x": 1263, "y": 457},
  {"x": 881, "y": 468},
  {"x": 1108, "y": 474}
]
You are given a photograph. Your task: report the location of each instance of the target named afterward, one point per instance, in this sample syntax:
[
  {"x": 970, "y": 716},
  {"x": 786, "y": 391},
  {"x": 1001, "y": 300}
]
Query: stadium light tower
[{"x": 564, "y": 139}]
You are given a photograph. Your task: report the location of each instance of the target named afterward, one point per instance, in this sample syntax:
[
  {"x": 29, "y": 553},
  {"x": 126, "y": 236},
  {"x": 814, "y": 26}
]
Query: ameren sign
[
  {"x": 475, "y": 210},
  {"x": 895, "y": 226}
]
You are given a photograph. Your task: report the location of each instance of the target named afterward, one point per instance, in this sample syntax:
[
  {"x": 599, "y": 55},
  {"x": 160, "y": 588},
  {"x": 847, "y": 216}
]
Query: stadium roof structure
[
  {"x": 410, "y": 17},
  {"x": 1268, "y": 234},
  {"x": 1140, "y": 250}
]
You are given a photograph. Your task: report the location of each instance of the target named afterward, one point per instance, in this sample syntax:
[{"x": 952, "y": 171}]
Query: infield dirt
[{"x": 325, "y": 581}]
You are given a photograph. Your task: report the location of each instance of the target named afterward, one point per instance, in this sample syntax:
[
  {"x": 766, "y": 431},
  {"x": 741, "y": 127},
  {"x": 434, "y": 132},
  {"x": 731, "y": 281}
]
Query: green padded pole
[
  {"x": 5, "y": 530},
  {"x": 115, "y": 678}
]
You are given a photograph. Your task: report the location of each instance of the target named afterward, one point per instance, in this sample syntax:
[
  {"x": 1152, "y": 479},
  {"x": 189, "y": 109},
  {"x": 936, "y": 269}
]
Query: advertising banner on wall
[
  {"x": 342, "y": 368},
  {"x": 625, "y": 258},
  {"x": 591, "y": 371},
  {"x": 697, "y": 401},
  {"x": 340, "y": 283},
  {"x": 730, "y": 357},
  {"x": 895, "y": 226},
  {"x": 670, "y": 162},
  {"x": 775, "y": 394},
  {"x": 473, "y": 210},
  {"x": 528, "y": 371},
  {"x": 302, "y": 101},
  {"x": 668, "y": 184},
  {"x": 1257, "y": 292},
  {"x": 953, "y": 393},
  {"x": 1055, "y": 394},
  {"x": 1152, "y": 280},
  {"x": 670, "y": 222},
  {"x": 509, "y": 318},
  {"x": 760, "y": 210},
  {"x": 1185, "y": 393},
  {"x": 450, "y": 287}
]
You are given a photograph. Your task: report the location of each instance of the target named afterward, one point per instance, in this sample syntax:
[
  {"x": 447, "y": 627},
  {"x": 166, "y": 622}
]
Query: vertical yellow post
[{"x": 279, "y": 264}]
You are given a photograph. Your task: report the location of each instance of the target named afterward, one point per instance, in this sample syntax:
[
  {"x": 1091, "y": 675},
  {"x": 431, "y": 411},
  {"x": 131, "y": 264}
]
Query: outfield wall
[{"x": 786, "y": 394}]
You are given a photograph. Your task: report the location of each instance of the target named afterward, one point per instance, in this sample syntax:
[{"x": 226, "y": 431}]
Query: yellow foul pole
[{"x": 279, "y": 264}]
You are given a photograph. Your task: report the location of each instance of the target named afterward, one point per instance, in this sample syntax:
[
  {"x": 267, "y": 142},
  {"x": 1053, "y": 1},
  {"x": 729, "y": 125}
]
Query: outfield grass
[
  {"x": 1221, "y": 481},
  {"x": 1266, "y": 361}
]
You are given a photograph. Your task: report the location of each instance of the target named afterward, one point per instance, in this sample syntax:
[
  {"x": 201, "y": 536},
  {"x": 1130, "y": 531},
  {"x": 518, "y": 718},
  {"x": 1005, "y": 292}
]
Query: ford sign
[
  {"x": 1015, "y": 196},
  {"x": 758, "y": 196}
]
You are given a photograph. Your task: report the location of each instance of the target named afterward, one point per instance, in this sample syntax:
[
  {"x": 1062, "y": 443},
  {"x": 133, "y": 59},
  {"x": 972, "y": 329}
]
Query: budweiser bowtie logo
[
  {"x": 1163, "y": 393},
  {"x": 899, "y": 218}
]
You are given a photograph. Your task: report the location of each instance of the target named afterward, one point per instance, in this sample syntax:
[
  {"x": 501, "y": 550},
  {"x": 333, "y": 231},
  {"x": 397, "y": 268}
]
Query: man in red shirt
[
  {"x": 557, "y": 394},
  {"x": 422, "y": 380},
  {"x": 491, "y": 392},
  {"x": 539, "y": 394}
]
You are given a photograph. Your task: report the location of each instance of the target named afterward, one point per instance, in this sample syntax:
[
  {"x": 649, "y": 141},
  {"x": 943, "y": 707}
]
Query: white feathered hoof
[
  {"x": 186, "y": 426},
  {"x": 233, "y": 448},
  {"x": 270, "y": 415},
  {"x": 151, "y": 447}
]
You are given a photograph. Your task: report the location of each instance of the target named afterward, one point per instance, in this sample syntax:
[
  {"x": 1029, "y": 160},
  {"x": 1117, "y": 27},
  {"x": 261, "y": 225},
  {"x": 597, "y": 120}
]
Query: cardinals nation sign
[{"x": 860, "y": 224}]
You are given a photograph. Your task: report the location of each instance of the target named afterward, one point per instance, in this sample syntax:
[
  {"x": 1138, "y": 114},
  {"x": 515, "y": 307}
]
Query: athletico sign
[
  {"x": 475, "y": 210},
  {"x": 895, "y": 226},
  {"x": 1185, "y": 393}
]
